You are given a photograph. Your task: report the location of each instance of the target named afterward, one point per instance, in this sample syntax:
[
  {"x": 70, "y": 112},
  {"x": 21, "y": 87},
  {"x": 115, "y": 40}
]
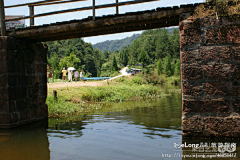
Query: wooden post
[
  {"x": 2, "y": 19},
  {"x": 53, "y": 73},
  {"x": 55, "y": 95},
  {"x": 117, "y": 10},
  {"x": 31, "y": 12},
  {"x": 94, "y": 10}
]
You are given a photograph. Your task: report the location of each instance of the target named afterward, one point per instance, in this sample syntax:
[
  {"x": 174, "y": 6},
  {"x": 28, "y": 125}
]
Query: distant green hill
[
  {"x": 120, "y": 44},
  {"x": 116, "y": 44}
]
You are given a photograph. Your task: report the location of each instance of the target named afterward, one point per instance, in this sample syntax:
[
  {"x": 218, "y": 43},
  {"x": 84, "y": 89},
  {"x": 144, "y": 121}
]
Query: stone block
[
  {"x": 4, "y": 106},
  {"x": 236, "y": 55},
  {"x": 219, "y": 126},
  {"x": 3, "y": 80},
  {"x": 217, "y": 88},
  {"x": 216, "y": 54},
  {"x": 236, "y": 105},
  {"x": 235, "y": 90},
  {"x": 216, "y": 36},
  {"x": 4, "y": 118},
  {"x": 235, "y": 71},
  {"x": 193, "y": 125},
  {"x": 206, "y": 22},
  {"x": 191, "y": 72},
  {"x": 207, "y": 106},
  {"x": 4, "y": 94},
  {"x": 3, "y": 55},
  {"x": 25, "y": 115},
  {"x": 190, "y": 37},
  {"x": 190, "y": 56},
  {"x": 233, "y": 33},
  {"x": 189, "y": 24},
  {"x": 3, "y": 42},
  {"x": 14, "y": 117},
  {"x": 216, "y": 72},
  {"x": 21, "y": 105},
  {"x": 193, "y": 90},
  {"x": 3, "y": 67}
]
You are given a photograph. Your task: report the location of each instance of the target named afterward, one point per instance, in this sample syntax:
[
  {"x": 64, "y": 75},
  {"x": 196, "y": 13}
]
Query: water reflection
[
  {"x": 127, "y": 130},
  {"x": 25, "y": 143}
]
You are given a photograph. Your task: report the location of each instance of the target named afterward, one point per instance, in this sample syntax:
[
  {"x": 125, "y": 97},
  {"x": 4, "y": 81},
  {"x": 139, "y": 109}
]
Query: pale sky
[{"x": 84, "y": 14}]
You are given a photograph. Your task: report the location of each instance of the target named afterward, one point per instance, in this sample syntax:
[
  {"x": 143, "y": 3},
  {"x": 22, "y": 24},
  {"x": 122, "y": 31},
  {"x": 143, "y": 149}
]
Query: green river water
[{"x": 135, "y": 130}]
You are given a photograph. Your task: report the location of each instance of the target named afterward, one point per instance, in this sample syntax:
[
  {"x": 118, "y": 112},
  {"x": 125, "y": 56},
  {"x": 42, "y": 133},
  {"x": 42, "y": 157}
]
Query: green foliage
[
  {"x": 90, "y": 65},
  {"x": 159, "y": 67},
  {"x": 114, "y": 64},
  {"x": 167, "y": 67},
  {"x": 120, "y": 93},
  {"x": 143, "y": 58},
  {"x": 64, "y": 107},
  {"x": 124, "y": 57},
  {"x": 177, "y": 68},
  {"x": 69, "y": 61}
]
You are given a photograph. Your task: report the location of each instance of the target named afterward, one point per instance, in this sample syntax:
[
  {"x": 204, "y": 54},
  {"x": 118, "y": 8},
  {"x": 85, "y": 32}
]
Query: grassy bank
[
  {"x": 74, "y": 101},
  {"x": 150, "y": 79}
]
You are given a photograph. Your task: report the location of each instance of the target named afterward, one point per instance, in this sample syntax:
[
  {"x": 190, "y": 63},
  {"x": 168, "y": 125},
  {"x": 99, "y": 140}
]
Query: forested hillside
[
  {"x": 116, "y": 44},
  {"x": 156, "y": 50}
]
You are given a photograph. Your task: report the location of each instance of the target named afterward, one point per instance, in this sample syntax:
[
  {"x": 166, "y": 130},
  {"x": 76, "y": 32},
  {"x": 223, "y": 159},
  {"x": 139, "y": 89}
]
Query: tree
[
  {"x": 134, "y": 51},
  {"x": 159, "y": 67},
  {"x": 177, "y": 68},
  {"x": 70, "y": 61},
  {"x": 124, "y": 57},
  {"x": 90, "y": 65},
  {"x": 143, "y": 58},
  {"x": 53, "y": 61},
  {"x": 167, "y": 67},
  {"x": 114, "y": 64}
]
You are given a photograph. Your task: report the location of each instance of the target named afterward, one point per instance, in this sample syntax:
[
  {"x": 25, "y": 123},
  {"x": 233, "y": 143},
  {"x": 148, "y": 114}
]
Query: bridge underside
[{"x": 135, "y": 21}]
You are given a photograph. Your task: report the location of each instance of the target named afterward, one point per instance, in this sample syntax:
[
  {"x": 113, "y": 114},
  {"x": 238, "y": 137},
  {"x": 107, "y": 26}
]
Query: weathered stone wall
[
  {"x": 210, "y": 72},
  {"x": 23, "y": 80}
]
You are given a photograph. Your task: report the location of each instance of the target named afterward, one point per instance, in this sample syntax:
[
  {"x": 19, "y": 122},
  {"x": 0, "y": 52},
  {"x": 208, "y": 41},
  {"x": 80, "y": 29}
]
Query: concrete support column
[
  {"x": 210, "y": 72},
  {"x": 23, "y": 82}
]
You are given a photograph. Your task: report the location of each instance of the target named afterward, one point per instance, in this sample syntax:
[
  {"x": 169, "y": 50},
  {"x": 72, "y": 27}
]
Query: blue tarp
[{"x": 96, "y": 78}]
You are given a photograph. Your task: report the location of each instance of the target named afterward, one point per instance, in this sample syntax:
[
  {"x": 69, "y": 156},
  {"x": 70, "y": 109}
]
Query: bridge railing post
[
  {"x": 94, "y": 13},
  {"x": 117, "y": 10},
  {"x": 31, "y": 12},
  {"x": 2, "y": 19}
]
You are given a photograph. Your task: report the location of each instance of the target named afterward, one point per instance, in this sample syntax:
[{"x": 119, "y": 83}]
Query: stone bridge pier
[
  {"x": 23, "y": 80},
  {"x": 210, "y": 72}
]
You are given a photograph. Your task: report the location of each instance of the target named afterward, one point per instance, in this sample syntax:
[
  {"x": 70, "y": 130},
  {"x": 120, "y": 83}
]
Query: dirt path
[
  {"x": 75, "y": 84},
  {"x": 79, "y": 84}
]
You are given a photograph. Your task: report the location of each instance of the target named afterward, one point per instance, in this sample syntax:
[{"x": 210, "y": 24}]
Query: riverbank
[{"x": 79, "y": 98}]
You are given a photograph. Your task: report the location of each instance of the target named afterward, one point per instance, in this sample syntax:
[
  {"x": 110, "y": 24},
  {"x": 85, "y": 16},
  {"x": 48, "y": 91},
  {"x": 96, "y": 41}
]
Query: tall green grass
[
  {"x": 64, "y": 107},
  {"x": 121, "y": 92}
]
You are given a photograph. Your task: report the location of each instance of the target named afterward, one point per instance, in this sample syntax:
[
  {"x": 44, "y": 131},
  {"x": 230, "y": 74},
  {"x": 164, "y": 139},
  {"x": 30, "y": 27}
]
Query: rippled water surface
[{"x": 144, "y": 130}]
